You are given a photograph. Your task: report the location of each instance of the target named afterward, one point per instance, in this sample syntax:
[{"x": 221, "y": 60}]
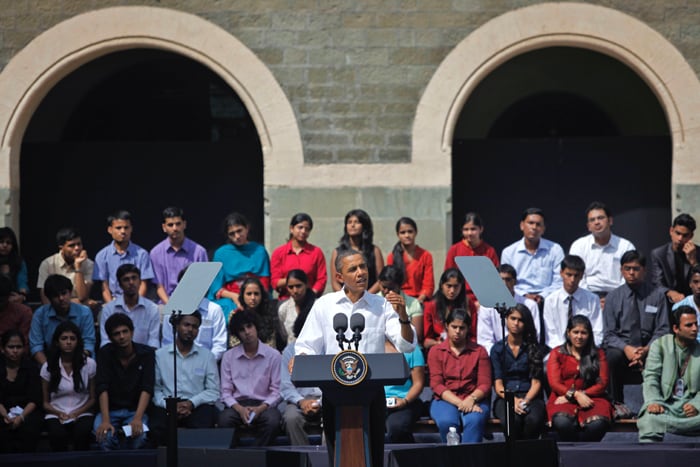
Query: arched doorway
[
  {"x": 557, "y": 128},
  {"x": 139, "y": 130}
]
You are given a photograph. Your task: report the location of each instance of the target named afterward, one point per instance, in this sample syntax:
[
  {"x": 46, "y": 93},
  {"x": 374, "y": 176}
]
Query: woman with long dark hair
[
  {"x": 20, "y": 395},
  {"x": 255, "y": 298},
  {"x": 301, "y": 300},
  {"x": 12, "y": 265},
  {"x": 517, "y": 367},
  {"x": 68, "y": 385},
  {"x": 298, "y": 253},
  {"x": 577, "y": 372},
  {"x": 358, "y": 234},
  {"x": 415, "y": 262},
  {"x": 450, "y": 295},
  {"x": 241, "y": 259}
]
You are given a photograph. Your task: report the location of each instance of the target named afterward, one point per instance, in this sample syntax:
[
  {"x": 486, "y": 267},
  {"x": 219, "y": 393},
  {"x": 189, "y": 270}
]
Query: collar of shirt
[{"x": 306, "y": 248}]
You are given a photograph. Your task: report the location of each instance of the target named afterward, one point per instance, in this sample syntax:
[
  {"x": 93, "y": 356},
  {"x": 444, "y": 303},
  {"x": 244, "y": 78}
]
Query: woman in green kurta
[{"x": 671, "y": 385}]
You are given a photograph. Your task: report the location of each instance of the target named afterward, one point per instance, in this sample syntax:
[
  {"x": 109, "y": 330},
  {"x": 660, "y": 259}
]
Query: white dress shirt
[
  {"x": 602, "y": 262},
  {"x": 556, "y": 315}
]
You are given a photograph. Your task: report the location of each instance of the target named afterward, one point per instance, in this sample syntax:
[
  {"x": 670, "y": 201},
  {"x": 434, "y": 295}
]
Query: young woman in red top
[
  {"x": 416, "y": 263},
  {"x": 450, "y": 295}
]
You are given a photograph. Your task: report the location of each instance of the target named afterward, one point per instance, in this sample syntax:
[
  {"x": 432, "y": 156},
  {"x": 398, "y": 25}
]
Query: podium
[{"x": 351, "y": 399}]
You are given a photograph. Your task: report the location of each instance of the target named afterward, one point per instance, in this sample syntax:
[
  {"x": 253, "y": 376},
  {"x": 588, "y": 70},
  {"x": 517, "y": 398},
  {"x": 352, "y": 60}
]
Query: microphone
[
  {"x": 357, "y": 324},
  {"x": 340, "y": 325}
]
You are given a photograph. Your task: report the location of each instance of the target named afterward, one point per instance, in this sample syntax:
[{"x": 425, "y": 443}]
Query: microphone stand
[
  {"x": 508, "y": 395},
  {"x": 171, "y": 402}
]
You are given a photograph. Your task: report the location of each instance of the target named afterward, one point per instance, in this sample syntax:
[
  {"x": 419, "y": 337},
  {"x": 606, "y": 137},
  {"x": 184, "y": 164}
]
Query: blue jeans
[
  {"x": 119, "y": 418},
  {"x": 472, "y": 423}
]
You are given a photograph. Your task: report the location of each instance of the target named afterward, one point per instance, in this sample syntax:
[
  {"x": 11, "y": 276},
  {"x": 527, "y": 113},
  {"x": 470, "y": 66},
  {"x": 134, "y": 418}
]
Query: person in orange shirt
[{"x": 416, "y": 263}]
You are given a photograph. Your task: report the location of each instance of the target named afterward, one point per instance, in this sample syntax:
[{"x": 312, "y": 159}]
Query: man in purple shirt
[
  {"x": 250, "y": 383},
  {"x": 120, "y": 251},
  {"x": 174, "y": 253}
]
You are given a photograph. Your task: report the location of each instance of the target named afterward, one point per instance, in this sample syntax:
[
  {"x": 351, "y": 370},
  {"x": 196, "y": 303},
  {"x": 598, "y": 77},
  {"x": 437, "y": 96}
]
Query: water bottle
[{"x": 452, "y": 437}]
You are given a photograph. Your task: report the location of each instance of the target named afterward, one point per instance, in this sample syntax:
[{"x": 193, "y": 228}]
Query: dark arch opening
[
  {"x": 138, "y": 130},
  {"x": 558, "y": 128}
]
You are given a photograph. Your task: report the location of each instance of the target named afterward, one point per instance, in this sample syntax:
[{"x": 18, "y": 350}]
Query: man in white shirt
[
  {"x": 601, "y": 250},
  {"x": 385, "y": 319}
]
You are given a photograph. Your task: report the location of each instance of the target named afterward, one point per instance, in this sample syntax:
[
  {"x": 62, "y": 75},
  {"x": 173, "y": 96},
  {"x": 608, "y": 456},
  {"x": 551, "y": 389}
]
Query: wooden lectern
[{"x": 351, "y": 399}]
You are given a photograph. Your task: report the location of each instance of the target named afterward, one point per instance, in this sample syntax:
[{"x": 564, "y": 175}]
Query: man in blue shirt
[
  {"x": 58, "y": 289},
  {"x": 197, "y": 381}
]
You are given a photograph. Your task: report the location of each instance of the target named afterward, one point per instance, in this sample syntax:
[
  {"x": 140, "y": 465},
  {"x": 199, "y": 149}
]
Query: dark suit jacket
[{"x": 662, "y": 272}]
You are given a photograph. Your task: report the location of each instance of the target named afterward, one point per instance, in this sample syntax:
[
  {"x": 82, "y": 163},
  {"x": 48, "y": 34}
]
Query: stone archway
[
  {"x": 601, "y": 29},
  {"x": 54, "y": 54}
]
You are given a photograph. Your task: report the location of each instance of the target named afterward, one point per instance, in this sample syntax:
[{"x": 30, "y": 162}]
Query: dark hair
[
  {"x": 55, "y": 284},
  {"x": 234, "y": 218},
  {"x": 693, "y": 270},
  {"x": 268, "y": 318},
  {"x": 120, "y": 215},
  {"x": 681, "y": 310},
  {"x": 684, "y": 220},
  {"x": 506, "y": 268},
  {"x": 173, "y": 211},
  {"x": 589, "y": 365},
  {"x": 633, "y": 256},
  {"x": 442, "y": 305},
  {"x": 125, "y": 269},
  {"x": 532, "y": 212},
  {"x": 366, "y": 242},
  {"x": 6, "y": 286},
  {"x": 13, "y": 259},
  {"x": 459, "y": 314},
  {"x": 66, "y": 234},
  {"x": 393, "y": 274},
  {"x": 535, "y": 355},
  {"x": 307, "y": 301},
  {"x": 397, "y": 252},
  {"x": 573, "y": 262},
  {"x": 344, "y": 253},
  {"x": 240, "y": 319},
  {"x": 298, "y": 218},
  {"x": 474, "y": 218},
  {"x": 116, "y": 320},
  {"x": 194, "y": 314},
  {"x": 598, "y": 205},
  {"x": 9, "y": 334},
  {"x": 78, "y": 358}
]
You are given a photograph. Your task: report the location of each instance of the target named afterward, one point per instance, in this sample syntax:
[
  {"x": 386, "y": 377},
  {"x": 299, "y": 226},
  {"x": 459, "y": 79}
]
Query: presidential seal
[{"x": 349, "y": 367}]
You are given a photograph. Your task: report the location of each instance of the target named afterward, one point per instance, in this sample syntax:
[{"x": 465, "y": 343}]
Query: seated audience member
[
  {"x": 20, "y": 396},
  {"x": 13, "y": 315},
  {"x": 301, "y": 299},
  {"x": 517, "y": 367},
  {"x": 303, "y": 404},
  {"x": 390, "y": 279},
  {"x": 672, "y": 381},
  {"x": 256, "y": 299},
  {"x": 68, "y": 385},
  {"x": 601, "y": 251},
  {"x": 212, "y": 333},
  {"x": 490, "y": 328},
  {"x": 692, "y": 300},
  {"x": 460, "y": 377},
  {"x": 174, "y": 253},
  {"x": 578, "y": 405},
  {"x": 12, "y": 265},
  {"x": 197, "y": 383},
  {"x": 636, "y": 314},
  {"x": 536, "y": 259},
  {"x": 121, "y": 251},
  {"x": 299, "y": 254},
  {"x": 250, "y": 383},
  {"x": 241, "y": 259},
  {"x": 570, "y": 300},
  {"x": 59, "y": 309},
  {"x": 142, "y": 312},
  {"x": 450, "y": 295},
  {"x": 671, "y": 263},
  {"x": 471, "y": 244},
  {"x": 70, "y": 261},
  {"x": 415, "y": 262},
  {"x": 403, "y": 403},
  {"x": 124, "y": 387}
]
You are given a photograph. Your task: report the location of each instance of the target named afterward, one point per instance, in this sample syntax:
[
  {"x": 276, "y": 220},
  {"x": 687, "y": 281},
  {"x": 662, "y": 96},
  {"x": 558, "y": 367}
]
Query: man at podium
[{"x": 385, "y": 319}]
